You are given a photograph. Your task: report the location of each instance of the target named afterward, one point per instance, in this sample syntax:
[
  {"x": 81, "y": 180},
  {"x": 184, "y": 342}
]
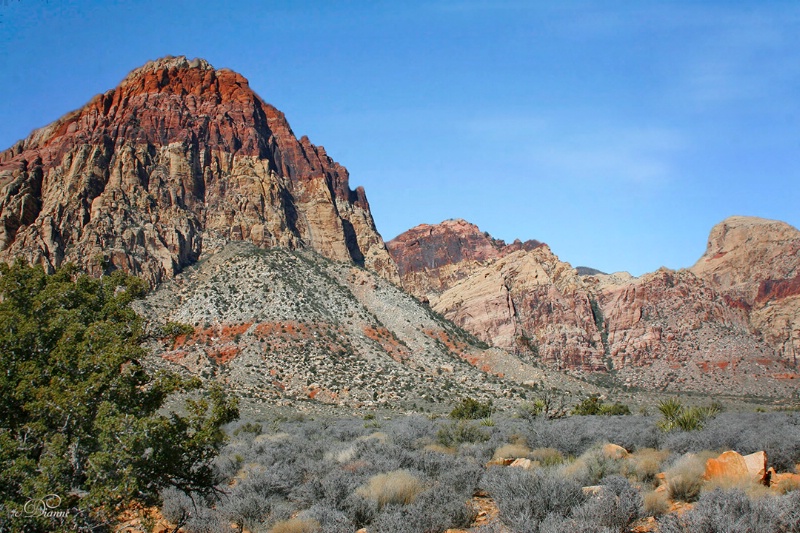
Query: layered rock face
[
  {"x": 177, "y": 159},
  {"x": 519, "y": 297},
  {"x": 431, "y": 258},
  {"x": 756, "y": 265},
  {"x": 673, "y": 330}
]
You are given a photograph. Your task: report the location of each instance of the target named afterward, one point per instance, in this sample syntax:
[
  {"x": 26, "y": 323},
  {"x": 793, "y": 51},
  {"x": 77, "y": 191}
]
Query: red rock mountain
[
  {"x": 177, "y": 159},
  {"x": 721, "y": 323}
]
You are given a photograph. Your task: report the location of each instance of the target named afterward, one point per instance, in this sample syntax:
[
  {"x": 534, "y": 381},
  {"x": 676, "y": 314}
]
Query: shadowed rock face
[{"x": 177, "y": 159}]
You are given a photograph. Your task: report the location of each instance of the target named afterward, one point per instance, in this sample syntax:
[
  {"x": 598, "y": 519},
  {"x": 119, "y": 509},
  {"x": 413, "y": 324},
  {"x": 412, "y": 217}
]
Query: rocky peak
[
  {"x": 744, "y": 251},
  {"x": 434, "y": 257},
  {"x": 755, "y": 263},
  {"x": 175, "y": 160}
]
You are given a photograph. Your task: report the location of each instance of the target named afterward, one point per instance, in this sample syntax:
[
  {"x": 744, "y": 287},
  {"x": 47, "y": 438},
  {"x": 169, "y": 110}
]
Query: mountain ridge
[{"x": 181, "y": 161}]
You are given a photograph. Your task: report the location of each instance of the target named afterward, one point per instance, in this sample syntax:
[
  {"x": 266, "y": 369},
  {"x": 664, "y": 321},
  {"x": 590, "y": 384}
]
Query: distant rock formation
[
  {"x": 180, "y": 157},
  {"x": 519, "y": 297},
  {"x": 698, "y": 329},
  {"x": 755, "y": 263}
]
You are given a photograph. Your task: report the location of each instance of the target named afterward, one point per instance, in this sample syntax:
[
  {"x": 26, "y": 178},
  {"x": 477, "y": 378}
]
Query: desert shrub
[
  {"x": 555, "y": 523},
  {"x": 645, "y": 464},
  {"x": 615, "y": 409},
  {"x": 437, "y": 509},
  {"x": 685, "y": 478},
  {"x": 411, "y": 431},
  {"x": 443, "y": 507},
  {"x": 511, "y": 450},
  {"x": 655, "y": 503},
  {"x": 525, "y": 498},
  {"x": 462, "y": 478},
  {"x": 278, "y": 479},
  {"x": 576, "y": 434},
  {"x": 472, "y": 409},
  {"x": 206, "y": 520},
  {"x": 588, "y": 406},
  {"x": 593, "y": 405},
  {"x": 248, "y": 427},
  {"x": 592, "y": 466},
  {"x": 732, "y": 511},
  {"x": 547, "y": 456},
  {"x": 330, "y": 520},
  {"x": 398, "y": 487},
  {"x": 246, "y": 509},
  {"x": 359, "y": 509},
  {"x": 296, "y": 525},
  {"x": 177, "y": 506},
  {"x": 617, "y": 505},
  {"x": 460, "y": 432},
  {"x": 336, "y": 486}
]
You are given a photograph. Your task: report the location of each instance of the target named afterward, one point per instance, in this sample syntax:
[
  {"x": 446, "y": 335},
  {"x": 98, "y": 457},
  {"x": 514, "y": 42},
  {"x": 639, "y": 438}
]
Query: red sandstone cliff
[{"x": 178, "y": 158}]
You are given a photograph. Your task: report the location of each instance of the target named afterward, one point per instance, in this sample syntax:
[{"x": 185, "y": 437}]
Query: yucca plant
[{"x": 676, "y": 416}]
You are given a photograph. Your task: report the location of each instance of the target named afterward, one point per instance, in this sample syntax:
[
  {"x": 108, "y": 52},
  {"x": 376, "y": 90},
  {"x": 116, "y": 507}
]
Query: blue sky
[{"x": 617, "y": 132}]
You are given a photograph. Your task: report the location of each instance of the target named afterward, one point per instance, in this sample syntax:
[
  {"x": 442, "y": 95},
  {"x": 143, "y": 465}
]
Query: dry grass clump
[
  {"x": 787, "y": 485},
  {"x": 643, "y": 465},
  {"x": 511, "y": 450},
  {"x": 296, "y": 525},
  {"x": 593, "y": 465},
  {"x": 685, "y": 477},
  {"x": 438, "y": 448},
  {"x": 547, "y": 456},
  {"x": 398, "y": 486},
  {"x": 746, "y": 484},
  {"x": 656, "y": 503}
]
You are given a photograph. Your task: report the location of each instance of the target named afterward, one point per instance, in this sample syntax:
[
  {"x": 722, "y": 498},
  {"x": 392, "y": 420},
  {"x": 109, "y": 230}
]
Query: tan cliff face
[
  {"x": 519, "y": 297},
  {"x": 756, "y": 265},
  {"x": 177, "y": 159}
]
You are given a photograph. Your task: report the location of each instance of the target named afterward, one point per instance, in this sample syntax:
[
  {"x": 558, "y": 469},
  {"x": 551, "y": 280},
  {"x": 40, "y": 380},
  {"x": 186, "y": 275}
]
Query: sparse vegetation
[
  {"x": 419, "y": 474},
  {"x": 472, "y": 409},
  {"x": 593, "y": 405}
]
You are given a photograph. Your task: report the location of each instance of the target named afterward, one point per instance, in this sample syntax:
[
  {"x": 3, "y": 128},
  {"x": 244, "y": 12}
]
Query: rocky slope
[
  {"x": 282, "y": 327},
  {"x": 177, "y": 159},
  {"x": 668, "y": 330}
]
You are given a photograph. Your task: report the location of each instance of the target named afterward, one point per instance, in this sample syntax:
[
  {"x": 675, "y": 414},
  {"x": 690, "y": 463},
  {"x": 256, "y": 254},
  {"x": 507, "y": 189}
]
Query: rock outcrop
[
  {"x": 755, "y": 263},
  {"x": 431, "y": 258},
  {"x": 695, "y": 329},
  {"x": 176, "y": 160},
  {"x": 519, "y": 297}
]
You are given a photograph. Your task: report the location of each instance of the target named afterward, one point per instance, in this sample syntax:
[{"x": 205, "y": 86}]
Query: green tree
[{"x": 80, "y": 417}]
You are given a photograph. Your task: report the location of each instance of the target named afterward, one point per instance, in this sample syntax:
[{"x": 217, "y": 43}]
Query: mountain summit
[{"x": 176, "y": 160}]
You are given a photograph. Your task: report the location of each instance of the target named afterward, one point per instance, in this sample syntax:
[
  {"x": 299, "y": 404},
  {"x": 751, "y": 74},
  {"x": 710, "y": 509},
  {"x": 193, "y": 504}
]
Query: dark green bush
[{"x": 471, "y": 409}]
